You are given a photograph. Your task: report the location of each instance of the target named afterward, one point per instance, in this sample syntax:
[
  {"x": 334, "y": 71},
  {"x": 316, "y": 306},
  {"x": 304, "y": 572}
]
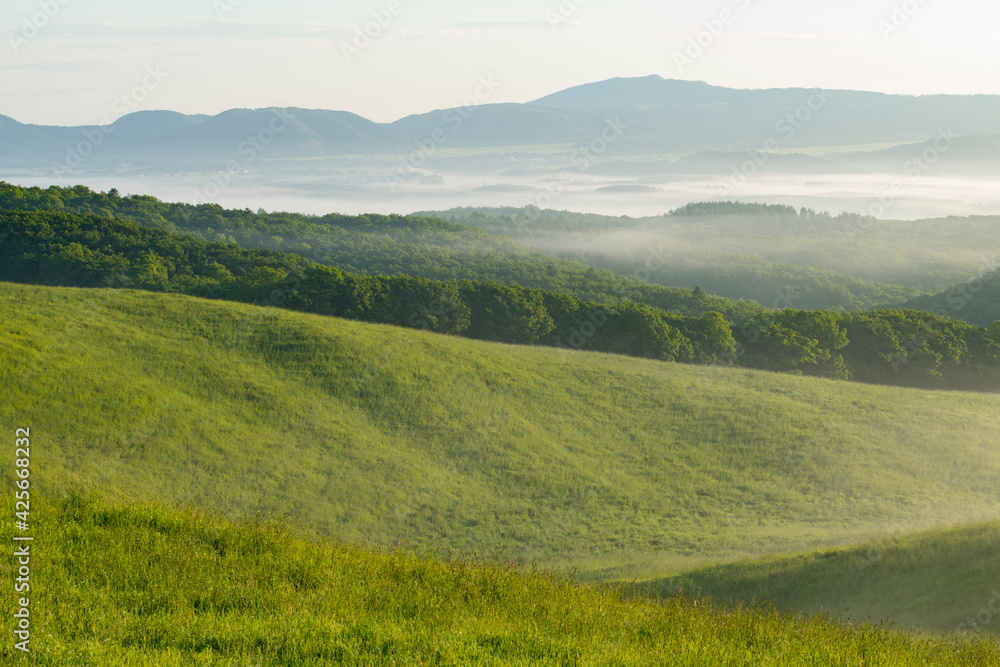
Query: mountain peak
[{"x": 652, "y": 90}]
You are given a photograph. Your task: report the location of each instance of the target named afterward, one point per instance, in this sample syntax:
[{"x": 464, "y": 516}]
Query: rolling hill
[
  {"x": 945, "y": 580},
  {"x": 375, "y": 434},
  {"x": 974, "y": 301},
  {"x": 142, "y": 585},
  {"x": 776, "y": 255},
  {"x": 967, "y": 155}
]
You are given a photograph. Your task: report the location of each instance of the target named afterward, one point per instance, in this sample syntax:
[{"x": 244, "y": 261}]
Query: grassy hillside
[
  {"x": 374, "y": 434},
  {"x": 141, "y": 585},
  {"x": 941, "y": 580}
]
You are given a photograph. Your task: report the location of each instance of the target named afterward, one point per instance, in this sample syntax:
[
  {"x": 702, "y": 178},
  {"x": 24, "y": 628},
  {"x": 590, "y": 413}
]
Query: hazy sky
[{"x": 71, "y": 61}]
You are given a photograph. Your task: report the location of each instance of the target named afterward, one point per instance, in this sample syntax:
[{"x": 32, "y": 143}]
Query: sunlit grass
[
  {"x": 374, "y": 434},
  {"x": 943, "y": 580},
  {"x": 142, "y": 585}
]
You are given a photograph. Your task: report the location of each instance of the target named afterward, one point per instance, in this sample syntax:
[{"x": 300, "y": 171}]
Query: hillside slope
[
  {"x": 376, "y": 245},
  {"x": 144, "y": 586},
  {"x": 376, "y": 434},
  {"x": 944, "y": 580},
  {"x": 772, "y": 254},
  {"x": 976, "y": 301}
]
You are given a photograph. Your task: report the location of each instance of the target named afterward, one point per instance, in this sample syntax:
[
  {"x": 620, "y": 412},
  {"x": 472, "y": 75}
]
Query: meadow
[
  {"x": 143, "y": 585},
  {"x": 944, "y": 580},
  {"x": 370, "y": 434}
]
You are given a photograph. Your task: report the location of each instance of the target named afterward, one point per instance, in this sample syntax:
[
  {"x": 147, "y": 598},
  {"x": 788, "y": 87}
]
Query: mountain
[
  {"x": 946, "y": 154},
  {"x": 500, "y": 124},
  {"x": 146, "y": 125},
  {"x": 241, "y": 135},
  {"x": 619, "y": 93},
  {"x": 666, "y": 108},
  {"x": 648, "y": 115},
  {"x": 295, "y": 131},
  {"x": 671, "y": 116}
]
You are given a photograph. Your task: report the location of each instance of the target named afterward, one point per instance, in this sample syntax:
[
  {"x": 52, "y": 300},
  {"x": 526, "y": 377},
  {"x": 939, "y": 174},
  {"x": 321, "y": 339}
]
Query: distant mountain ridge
[
  {"x": 620, "y": 92},
  {"x": 657, "y": 116}
]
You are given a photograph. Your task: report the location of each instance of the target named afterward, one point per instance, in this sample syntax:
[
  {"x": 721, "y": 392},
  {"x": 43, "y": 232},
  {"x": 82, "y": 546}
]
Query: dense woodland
[
  {"x": 52, "y": 248},
  {"x": 381, "y": 245},
  {"x": 45, "y": 243},
  {"x": 776, "y": 255}
]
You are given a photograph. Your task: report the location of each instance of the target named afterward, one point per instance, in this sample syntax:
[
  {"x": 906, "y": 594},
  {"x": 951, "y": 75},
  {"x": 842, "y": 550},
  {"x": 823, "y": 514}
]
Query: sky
[{"x": 75, "y": 62}]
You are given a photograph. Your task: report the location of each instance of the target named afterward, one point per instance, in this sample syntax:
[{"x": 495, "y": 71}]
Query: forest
[{"x": 76, "y": 237}]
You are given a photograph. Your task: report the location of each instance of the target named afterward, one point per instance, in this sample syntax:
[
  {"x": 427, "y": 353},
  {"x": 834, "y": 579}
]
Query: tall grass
[
  {"x": 144, "y": 585},
  {"x": 373, "y": 434},
  {"x": 942, "y": 580}
]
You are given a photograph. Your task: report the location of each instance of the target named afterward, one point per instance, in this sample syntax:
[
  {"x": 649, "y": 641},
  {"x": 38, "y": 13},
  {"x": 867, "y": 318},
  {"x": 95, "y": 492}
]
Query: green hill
[
  {"x": 390, "y": 245},
  {"x": 944, "y": 580},
  {"x": 897, "y": 347},
  {"x": 374, "y": 434},
  {"x": 976, "y": 301},
  {"x": 775, "y": 255},
  {"x": 141, "y": 585}
]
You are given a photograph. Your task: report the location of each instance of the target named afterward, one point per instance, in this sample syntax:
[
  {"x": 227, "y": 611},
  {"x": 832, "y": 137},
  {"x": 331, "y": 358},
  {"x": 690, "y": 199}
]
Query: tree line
[
  {"x": 374, "y": 244},
  {"x": 892, "y": 346}
]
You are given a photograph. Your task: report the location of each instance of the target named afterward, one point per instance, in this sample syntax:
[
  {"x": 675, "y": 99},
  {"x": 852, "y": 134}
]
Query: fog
[
  {"x": 892, "y": 251},
  {"x": 729, "y": 256},
  {"x": 371, "y": 191}
]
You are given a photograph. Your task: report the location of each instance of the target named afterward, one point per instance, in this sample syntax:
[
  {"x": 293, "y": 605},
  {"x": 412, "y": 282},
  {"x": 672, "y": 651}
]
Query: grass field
[
  {"x": 315, "y": 490},
  {"x": 370, "y": 434},
  {"x": 942, "y": 580},
  {"x": 142, "y": 585},
  {"x": 377, "y": 434}
]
